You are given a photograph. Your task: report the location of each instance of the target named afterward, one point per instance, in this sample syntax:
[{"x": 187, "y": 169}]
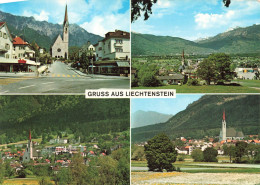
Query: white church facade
[{"x": 60, "y": 48}]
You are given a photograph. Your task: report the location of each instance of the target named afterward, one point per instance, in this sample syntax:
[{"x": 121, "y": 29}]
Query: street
[{"x": 61, "y": 79}]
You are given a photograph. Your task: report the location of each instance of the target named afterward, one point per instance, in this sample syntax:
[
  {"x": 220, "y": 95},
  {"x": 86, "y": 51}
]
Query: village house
[
  {"x": 174, "y": 79},
  {"x": 15, "y": 53},
  {"x": 115, "y": 45}
]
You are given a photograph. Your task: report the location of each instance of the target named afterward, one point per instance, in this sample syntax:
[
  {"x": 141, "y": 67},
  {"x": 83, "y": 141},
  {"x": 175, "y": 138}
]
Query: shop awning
[{"x": 123, "y": 64}]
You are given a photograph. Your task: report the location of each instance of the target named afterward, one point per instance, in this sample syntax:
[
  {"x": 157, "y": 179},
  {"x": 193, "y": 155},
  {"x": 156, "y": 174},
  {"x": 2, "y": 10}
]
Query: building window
[
  {"x": 0, "y": 34},
  {"x": 7, "y": 46},
  {"x": 7, "y": 56},
  {"x": 5, "y": 36},
  {"x": 119, "y": 41},
  {"x": 100, "y": 48},
  {"x": 21, "y": 47},
  {"x": 59, "y": 50},
  {"x": 119, "y": 50}
]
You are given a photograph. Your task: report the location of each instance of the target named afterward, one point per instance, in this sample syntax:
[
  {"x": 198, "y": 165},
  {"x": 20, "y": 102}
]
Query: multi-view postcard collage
[{"x": 120, "y": 92}]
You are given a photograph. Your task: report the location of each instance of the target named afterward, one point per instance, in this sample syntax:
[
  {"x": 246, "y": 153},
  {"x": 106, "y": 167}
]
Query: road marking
[
  {"x": 53, "y": 75},
  {"x": 47, "y": 83},
  {"x": 58, "y": 75},
  {"x": 68, "y": 75},
  {"x": 63, "y": 76},
  {"x": 26, "y": 86},
  {"x": 78, "y": 76},
  {"x": 73, "y": 76}
]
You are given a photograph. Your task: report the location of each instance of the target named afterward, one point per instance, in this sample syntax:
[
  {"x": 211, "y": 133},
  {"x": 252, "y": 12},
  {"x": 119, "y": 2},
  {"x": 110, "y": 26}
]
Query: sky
[
  {"x": 96, "y": 16},
  {"x": 195, "y": 19},
  {"x": 164, "y": 105}
]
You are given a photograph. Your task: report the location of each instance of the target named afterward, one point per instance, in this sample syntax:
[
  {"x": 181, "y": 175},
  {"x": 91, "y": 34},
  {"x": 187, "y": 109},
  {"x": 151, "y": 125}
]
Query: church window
[
  {"x": 59, "y": 50},
  {"x": 0, "y": 34}
]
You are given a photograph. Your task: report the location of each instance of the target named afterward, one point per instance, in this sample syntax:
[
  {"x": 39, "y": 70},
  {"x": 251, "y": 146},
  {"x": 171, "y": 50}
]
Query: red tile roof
[
  {"x": 19, "y": 41},
  {"x": 1, "y": 23}
]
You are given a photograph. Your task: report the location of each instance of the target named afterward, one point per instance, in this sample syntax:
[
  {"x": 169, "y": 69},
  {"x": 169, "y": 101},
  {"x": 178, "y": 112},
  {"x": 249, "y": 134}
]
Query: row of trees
[
  {"x": 250, "y": 152},
  {"x": 243, "y": 152}
]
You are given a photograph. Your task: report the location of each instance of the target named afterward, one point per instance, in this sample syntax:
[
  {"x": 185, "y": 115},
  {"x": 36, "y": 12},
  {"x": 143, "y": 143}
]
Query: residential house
[{"x": 115, "y": 45}]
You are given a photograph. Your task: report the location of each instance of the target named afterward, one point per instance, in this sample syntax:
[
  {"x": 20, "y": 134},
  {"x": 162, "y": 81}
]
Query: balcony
[
  {"x": 118, "y": 44},
  {"x": 3, "y": 49}
]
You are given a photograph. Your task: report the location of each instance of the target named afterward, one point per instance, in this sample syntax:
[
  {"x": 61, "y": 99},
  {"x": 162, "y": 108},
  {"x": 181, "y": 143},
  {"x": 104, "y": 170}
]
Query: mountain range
[
  {"x": 45, "y": 33},
  {"x": 142, "y": 118},
  {"x": 204, "y": 118},
  {"x": 238, "y": 40}
]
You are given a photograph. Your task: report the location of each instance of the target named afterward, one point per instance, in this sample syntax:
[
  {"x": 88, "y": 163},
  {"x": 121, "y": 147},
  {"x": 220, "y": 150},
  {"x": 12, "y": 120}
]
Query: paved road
[{"x": 61, "y": 79}]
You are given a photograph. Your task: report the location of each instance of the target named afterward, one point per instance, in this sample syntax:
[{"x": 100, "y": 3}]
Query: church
[
  {"x": 60, "y": 48},
  {"x": 30, "y": 153},
  {"x": 229, "y": 133}
]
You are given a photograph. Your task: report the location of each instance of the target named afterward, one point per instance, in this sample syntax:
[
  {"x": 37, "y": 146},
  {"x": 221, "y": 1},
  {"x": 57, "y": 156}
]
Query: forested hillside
[
  {"x": 239, "y": 40},
  {"x": 203, "y": 118},
  {"x": 52, "y": 114}
]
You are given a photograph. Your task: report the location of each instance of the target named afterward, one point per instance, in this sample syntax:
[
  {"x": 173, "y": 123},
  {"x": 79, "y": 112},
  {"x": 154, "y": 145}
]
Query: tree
[
  {"x": 222, "y": 63},
  {"x": 138, "y": 153},
  {"x": 138, "y": 6},
  {"x": 160, "y": 153},
  {"x": 78, "y": 170},
  {"x": 149, "y": 80},
  {"x": 107, "y": 170},
  {"x": 197, "y": 155},
  {"x": 210, "y": 155},
  {"x": 230, "y": 151},
  {"x": 240, "y": 150},
  {"x": 2, "y": 171},
  {"x": 207, "y": 71}
]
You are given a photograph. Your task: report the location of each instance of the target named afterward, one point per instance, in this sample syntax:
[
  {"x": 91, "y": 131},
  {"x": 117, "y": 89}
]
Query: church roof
[{"x": 231, "y": 132}]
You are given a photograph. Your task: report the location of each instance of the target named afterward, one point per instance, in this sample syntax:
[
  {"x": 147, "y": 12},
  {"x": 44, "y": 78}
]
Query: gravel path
[{"x": 194, "y": 178}]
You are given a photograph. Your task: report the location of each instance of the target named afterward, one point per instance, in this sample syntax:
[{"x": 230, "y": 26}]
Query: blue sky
[
  {"x": 193, "y": 19},
  {"x": 96, "y": 16},
  {"x": 163, "y": 105}
]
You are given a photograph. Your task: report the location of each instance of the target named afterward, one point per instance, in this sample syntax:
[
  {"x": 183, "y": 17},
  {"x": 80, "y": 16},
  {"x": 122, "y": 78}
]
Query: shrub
[
  {"x": 193, "y": 82},
  {"x": 197, "y": 155}
]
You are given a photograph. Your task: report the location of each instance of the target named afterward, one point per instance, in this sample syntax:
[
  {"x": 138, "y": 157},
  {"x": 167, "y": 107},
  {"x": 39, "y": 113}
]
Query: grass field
[{"x": 248, "y": 87}]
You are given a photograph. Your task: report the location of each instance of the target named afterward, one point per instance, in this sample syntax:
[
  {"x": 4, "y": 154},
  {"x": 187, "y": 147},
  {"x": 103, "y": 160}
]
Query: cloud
[
  {"x": 43, "y": 16},
  {"x": 206, "y": 20},
  {"x": 235, "y": 15},
  {"x": 102, "y": 24},
  {"x": 10, "y": 1}
]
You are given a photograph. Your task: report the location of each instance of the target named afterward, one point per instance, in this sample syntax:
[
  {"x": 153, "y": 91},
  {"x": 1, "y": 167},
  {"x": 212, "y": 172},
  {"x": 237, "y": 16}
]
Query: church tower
[
  {"x": 28, "y": 154},
  {"x": 224, "y": 127},
  {"x": 183, "y": 58},
  {"x": 66, "y": 33}
]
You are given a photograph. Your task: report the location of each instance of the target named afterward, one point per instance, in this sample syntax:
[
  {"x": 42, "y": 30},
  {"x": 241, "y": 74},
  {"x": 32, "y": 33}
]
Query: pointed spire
[
  {"x": 30, "y": 137},
  {"x": 183, "y": 54},
  {"x": 66, "y": 15},
  {"x": 224, "y": 117}
]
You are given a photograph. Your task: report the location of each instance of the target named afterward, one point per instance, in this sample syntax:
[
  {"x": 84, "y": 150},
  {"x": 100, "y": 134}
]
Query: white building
[
  {"x": 115, "y": 45},
  {"x": 22, "y": 49},
  {"x": 13, "y": 52},
  {"x": 6, "y": 42}
]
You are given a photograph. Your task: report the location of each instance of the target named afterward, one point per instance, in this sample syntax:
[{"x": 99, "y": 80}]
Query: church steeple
[
  {"x": 66, "y": 34},
  {"x": 66, "y": 20},
  {"x": 224, "y": 127},
  {"x": 30, "y": 137}
]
